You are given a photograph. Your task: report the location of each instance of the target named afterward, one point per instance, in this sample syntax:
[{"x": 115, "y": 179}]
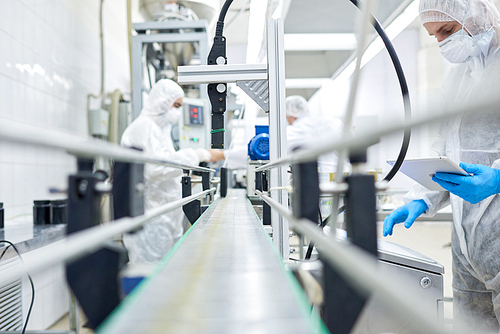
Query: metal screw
[
  {"x": 425, "y": 282},
  {"x": 220, "y": 99},
  {"x": 140, "y": 187},
  {"x": 221, "y": 60},
  {"x": 82, "y": 187},
  {"x": 220, "y": 109},
  {"x": 221, "y": 88}
]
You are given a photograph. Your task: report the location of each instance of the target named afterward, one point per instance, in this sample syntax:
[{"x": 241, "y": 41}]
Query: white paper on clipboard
[{"x": 422, "y": 170}]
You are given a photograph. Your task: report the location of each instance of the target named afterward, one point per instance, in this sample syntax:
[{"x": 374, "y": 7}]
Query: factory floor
[{"x": 429, "y": 238}]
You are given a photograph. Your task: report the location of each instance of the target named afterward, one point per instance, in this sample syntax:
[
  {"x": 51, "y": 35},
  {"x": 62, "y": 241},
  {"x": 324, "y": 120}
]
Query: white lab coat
[{"x": 150, "y": 244}]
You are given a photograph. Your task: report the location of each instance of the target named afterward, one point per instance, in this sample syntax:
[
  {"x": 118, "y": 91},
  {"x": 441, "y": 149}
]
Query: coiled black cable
[
  {"x": 402, "y": 83},
  {"x": 407, "y": 108}
]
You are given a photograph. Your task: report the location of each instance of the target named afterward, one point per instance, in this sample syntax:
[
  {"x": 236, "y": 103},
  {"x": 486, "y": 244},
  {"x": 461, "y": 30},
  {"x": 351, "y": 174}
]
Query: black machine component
[
  {"x": 93, "y": 278},
  {"x": 266, "y": 209},
  {"x": 217, "y": 92},
  {"x": 94, "y": 281},
  {"x": 205, "y": 180},
  {"x": 192, "y": 210},
  {"x": 223, "y": 182},
  {"x": 258, "y": 181},
  {"x": 2, "y": 218},
  {"x": 261, "y": 184},
  {"x": 128, "y": 189},
  {"x": 306, "y": 190},
  {"x": 84, "y": 164},
  {"x": 342, "y": 303}
]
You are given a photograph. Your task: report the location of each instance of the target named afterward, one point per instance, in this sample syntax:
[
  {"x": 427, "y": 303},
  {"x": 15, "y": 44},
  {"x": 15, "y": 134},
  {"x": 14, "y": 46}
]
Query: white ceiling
[{"x": 309, "y": 17}]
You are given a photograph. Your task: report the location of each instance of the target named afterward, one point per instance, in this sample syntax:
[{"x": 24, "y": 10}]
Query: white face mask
[
  {"x": 460, "y": 47},
  {"x": 172, "y": 116}
]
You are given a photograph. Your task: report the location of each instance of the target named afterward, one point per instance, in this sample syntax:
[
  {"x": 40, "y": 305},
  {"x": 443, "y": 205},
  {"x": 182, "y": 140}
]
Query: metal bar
[
  {"x": 43, "y": 331},
  {"x": 28, "y": 134},
  {"x": 311, "y": 152},
  {"x": 221, "y": 73},
  {"x": 89, "y": 240},
  {"x": 278, "y": 178},
  {"x": 169, "y": 38},
  {"x": 362, "y": 270},
  {"x": 74, "y": 323},
  {"x": 154, "y": 25}
]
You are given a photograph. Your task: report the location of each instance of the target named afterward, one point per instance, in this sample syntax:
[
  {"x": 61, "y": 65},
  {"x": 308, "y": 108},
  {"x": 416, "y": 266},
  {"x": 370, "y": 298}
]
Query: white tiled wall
[{"x": 49, "y": 62}]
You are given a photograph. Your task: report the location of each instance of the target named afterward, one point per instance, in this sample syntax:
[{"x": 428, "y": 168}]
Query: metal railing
[
  {"x": 89, "y": 240},
  {"x": 311, "y": 151},
  {"x": 81, "y": 147},
  {"x": 362, "y": 270}
]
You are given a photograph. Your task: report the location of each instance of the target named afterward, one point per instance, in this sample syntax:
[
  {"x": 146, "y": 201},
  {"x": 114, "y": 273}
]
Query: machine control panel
[
  {"x": 195, "y": 114},
  {"x": 194, "y": 130}
]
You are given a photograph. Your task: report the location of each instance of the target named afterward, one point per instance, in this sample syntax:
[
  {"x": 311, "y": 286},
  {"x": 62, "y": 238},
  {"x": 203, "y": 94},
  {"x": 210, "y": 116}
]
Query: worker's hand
[
  {"x": 484, "y": 182},
  {"x": 203, "y": 155},
  {"x": 216, "y": 155},
  {"x": 406, "y": 213}
]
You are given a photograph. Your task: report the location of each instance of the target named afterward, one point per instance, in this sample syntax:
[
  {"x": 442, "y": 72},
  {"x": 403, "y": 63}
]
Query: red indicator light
[
  {"x": 195, "y": 109},
  {"x": 195, "y": 116}
]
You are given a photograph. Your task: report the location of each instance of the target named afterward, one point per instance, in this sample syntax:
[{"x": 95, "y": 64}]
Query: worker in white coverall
[
  {"x": 304, "y": 129},
  {"x": 467, "y": 32},
  {"x": 150, "y": 131}
]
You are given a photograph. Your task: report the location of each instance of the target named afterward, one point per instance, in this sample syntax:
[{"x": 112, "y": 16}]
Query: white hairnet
[
  {"x": 296, "y": 106},
  {"x": 476, "y": 16},
  {"x": 162, "y": 97}
]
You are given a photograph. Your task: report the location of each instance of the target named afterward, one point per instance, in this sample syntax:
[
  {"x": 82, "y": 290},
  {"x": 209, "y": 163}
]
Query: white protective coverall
[
  {"x": 473, "y": 138},
  {"x": 150, "y": 131},
  {"x": 307, "y": 129}
]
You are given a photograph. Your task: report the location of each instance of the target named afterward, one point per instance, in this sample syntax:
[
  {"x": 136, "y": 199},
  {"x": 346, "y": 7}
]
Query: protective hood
[
  {"x": 296, "y": 106},
  {"x": 479, "y": 18},
  {"x": 160, "y": 100}
]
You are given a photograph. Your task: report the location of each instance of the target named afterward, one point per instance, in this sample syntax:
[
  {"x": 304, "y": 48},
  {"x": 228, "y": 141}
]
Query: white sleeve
[
  {"x": 435, "y": 200},
  {"x": 142, "y": 134},
  {"x": 236, "y": 157}
]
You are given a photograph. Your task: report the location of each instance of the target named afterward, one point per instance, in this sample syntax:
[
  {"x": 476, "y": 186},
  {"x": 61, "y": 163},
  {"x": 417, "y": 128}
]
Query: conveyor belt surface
[{"x": 223, "y": 277}]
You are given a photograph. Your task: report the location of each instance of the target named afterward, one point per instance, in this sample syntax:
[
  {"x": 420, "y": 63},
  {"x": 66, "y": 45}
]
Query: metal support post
[
  {"x": 93, "y": 278},
  {"x": 223, "y": 182},
  {"x": 192, "y": 210},
  {"x": 343, "y": 304},
  {"x": 306, "y": 191},
  {"x": 277, "y": 130},
  {"x": 74, "y": 323}
]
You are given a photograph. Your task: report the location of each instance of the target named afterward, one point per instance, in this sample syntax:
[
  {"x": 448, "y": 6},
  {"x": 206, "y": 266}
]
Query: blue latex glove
[
  {"x": 484, "y": 182},
  {"x": 406, "y": 213}
]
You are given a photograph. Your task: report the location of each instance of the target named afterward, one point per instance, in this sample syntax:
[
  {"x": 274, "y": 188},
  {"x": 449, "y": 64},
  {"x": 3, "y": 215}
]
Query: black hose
[
  {"x": 402, "y": 83},
  {"x": 222, "y": 16},
  {"x": 407, "y": 107},
  {"x": 404, "y": 92}
]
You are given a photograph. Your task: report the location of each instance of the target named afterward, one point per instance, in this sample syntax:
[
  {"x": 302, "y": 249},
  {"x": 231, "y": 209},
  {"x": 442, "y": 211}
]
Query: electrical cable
[
  {"x": 407, "y": 108},
  {"x": 222, "y": 16},
  {"x": 29, "y": 277},
  {"x": 399, "y": 72}
]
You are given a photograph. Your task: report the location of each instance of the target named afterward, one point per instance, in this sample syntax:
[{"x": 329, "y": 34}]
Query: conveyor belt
[{"x": 224, "y": 277}]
